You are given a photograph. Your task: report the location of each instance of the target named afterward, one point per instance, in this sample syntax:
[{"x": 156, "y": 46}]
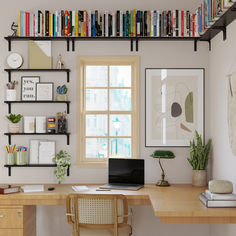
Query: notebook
[{"x": 125, "y": 174}]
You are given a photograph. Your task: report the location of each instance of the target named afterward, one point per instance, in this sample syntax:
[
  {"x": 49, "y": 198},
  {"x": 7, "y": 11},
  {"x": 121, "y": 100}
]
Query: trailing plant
[
  {"x": 62, "y": 89},
  {"x": 62, "y": 160},
  {"x": 13, "y": 118},
  {"x": 199, "y": 154}
]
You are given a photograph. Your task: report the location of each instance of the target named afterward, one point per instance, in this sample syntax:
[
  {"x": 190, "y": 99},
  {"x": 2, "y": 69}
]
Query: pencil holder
[
  {"x": 22, "y": 158},
  {"x": 11, "y": 159},
  {"x": 11, "y": 94}
]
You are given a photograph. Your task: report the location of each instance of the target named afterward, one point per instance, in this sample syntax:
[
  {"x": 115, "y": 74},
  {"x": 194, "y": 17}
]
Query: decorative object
[
  {"x": 40, "y": 124},
  {"x": 160, "y": 154},
  {"x": 40, "y": 55},
  {"x": 61, "y": 123},
  {"x": 174, "y": 106},
  {"x": 11, "y": 91},
  {"x": 52, "y": 125},
  {"x": 14, "y": 60},
  {"x": 14, "y": 27},
  {"x": 28, "y": 87},
  {"x": 14, "y": 126},
  {"x": 29, "y": 124},
  {"x": 22, "y": 158},
  {"x": 61, "y": 93},
  {"x": 10, "y": 154},
  {"x": 47, "y": 151},
  {"x": 34, "y": 151},
  {"x": 220, "y": 186},
  {"x": 60, "y": 63},
  {"x": 62, "y": 160},
  {"x": 198, "y": 160},
  {"x": 44, "y": 91}
]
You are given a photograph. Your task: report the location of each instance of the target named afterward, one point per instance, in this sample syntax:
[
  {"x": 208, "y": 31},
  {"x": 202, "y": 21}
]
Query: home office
[{"x": 153, "y": 54}]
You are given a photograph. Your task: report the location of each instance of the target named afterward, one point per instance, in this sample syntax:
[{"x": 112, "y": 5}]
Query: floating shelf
[
  {"x": 67, "y": 71},
  {"x": 18, "y": 102},
  {"x": 34, "y": 165},
  {"x": 14, "y": 134}
]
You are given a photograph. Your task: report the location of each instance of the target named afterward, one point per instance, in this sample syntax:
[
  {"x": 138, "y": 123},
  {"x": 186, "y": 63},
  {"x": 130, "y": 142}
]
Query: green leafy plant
[
  {"x": 62, "y": 89},
  {"x": 199, "y": 154},
  {"x": 62, "y": 160},
  {"x": 13, "y": 118}
]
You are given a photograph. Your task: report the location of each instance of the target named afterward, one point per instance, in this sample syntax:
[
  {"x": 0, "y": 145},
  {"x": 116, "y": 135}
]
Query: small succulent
[
  {"x": 13, "y": 118},
  {"x": 62, "y": 89}
]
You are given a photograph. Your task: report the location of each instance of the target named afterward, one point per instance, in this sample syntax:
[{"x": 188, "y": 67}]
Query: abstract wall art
[{"x": 174, "y": 106}]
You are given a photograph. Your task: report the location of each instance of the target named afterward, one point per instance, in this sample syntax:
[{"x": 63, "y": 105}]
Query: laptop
[{"x": 125, "y": 174}]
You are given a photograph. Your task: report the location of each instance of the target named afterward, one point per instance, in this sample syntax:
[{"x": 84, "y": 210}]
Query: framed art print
[
  {"x": 28, "y": 87},
  {"x": 44, "y": 91},
  {"x": 174, "y": 106}
]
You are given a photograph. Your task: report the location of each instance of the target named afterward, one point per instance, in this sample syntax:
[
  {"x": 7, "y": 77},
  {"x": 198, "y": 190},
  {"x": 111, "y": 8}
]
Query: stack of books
[
  {"x": 6, "y": 189},
  {"x": 210, "y": 199}
]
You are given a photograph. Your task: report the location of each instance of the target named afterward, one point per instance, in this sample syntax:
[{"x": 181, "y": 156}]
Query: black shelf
[
  {"x": 34, "y": 165},
  {"x": 14, "y": 134},
  {"x": 67, "y": 71},
  {"x": 18, "y": 102}
]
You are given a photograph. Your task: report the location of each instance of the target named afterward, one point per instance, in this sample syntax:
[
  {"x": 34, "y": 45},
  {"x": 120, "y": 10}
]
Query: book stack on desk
[{"x": 210, "y": 199}]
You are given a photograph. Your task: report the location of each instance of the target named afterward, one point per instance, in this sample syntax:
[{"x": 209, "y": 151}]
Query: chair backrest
[{"x": 96, "y": 210}]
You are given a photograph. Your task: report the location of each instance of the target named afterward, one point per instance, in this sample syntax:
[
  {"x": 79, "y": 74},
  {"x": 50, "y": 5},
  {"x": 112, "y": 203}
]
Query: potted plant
[
  {"x": 61, "y": 93},
  {"x": 199, "y": 155},
  {"x": 62, "y": 160},
  {"x": 14, "y": 126},
  {"x": 160, "y": 154}
]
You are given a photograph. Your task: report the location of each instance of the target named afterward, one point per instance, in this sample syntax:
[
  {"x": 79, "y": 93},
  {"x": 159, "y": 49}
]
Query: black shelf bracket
[
  {"x": 136, "y": 45},
  {"x": 131, "y": 45},
  {"x": 68, "y": 171},
  {"x": 73, "y": 45},
  {"x": 9, "y": 76},
  {"x": 9, "y": 170},
  {"x": 223, "y": 29},
  {"x": 68, "y": 139},
  {"x": 68, "y": 108},
  {"x": 68, "y": 44},
  {"x": 9, "y": 108},
  {"x": 195, "y": 45},
  {"x": 68, "y": 76},
  {"x": 9, "y": 44},
  {"x": 209, "y": 42},
  {"x": 9, "y": 139}
]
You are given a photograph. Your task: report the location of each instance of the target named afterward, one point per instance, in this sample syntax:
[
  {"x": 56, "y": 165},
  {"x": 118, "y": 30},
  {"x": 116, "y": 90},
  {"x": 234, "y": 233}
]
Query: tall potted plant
[
  {"x": 14, "y": 126},
  {"x": 199, "y": 155}
]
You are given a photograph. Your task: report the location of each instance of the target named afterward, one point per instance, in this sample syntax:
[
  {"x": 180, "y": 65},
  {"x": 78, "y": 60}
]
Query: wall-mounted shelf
[
  {"x": 34, "y": 165},
  {"x": 14, "y": 134},
  {"x": 35, "y": 102},
  {"x": 67, "y": 71}
]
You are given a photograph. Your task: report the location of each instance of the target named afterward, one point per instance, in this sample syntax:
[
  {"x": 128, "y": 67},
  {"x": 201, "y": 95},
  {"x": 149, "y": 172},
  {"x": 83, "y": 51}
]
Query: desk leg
[{"x": 29, "y": 221}]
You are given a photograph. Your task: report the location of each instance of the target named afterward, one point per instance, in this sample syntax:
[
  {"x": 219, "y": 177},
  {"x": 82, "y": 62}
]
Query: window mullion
[{"x": 108, "y": 110}]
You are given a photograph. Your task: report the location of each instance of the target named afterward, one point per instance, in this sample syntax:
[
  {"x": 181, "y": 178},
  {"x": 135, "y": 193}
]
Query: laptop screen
[{"x": 126, "y": 171}]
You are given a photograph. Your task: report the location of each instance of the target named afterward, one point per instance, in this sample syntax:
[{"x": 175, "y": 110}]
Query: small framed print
[
  {"x": 28, "y": 87},
  {"x": 44, "y": 91}
]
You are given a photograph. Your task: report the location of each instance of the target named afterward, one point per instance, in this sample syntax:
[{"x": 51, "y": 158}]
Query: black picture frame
[
  {"x": 203, "y": 106},
  {"x": 22, "y": 86},
  {"x": 51, "y": 98}
]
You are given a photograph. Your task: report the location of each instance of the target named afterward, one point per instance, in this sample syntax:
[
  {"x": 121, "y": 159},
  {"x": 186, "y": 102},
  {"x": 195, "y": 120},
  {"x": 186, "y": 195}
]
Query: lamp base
[{"x": 162, "y": 183}]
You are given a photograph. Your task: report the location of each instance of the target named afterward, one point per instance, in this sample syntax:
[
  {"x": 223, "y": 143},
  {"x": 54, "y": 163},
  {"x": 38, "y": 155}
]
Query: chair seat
[{"x": 122, "y": 231}]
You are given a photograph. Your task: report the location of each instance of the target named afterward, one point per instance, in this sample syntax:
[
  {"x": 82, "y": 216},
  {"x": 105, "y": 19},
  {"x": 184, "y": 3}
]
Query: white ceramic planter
[
  {"x": 199, "y": 178},
  {"x": 11, "y": 95},
  {"x": 61, "y": 97},
  {"x": 14, "y": 128}
]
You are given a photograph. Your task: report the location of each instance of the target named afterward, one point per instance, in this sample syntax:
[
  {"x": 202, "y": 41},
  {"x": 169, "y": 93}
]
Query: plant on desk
[
  {"x": 14, "y": 126},
  {"x": 198, "y": 160},
  {"x": 62, "y": 160},
  {"x": 160, "y": 154},
  {"x": 61, "y": 93}
]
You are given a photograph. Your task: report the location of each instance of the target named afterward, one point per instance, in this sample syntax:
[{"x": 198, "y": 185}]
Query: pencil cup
[
  {"x": 22, "y": 158},
  {"x": 10, "y": 158},
  {"x": 11, "y": 94}
]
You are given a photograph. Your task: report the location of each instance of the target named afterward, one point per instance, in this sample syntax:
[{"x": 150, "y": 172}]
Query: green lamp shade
[{"x": 163, "y": 154}]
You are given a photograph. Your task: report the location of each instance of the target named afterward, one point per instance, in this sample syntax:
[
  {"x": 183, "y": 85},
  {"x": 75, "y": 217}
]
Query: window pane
[
  {"x": 120, "y": 147},
  {"x": 120, "y": 125},
  {"x": 120, "y": 99},
  {"x": 96, "y": 99},
  {"x": 96, "y": 76},
  {"x": 120, "y": 76},
  {"x": 96, "y": 125},
  {"x": 96, "y": 147}
]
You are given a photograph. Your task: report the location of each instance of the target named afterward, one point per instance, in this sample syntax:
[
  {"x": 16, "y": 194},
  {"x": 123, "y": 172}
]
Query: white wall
[
  {"x": 222, "y": 59},
  {"x": 152, "y": 54}
]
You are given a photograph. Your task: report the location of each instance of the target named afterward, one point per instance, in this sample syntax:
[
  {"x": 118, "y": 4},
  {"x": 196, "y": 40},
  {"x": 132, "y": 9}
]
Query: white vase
[
  {"x": 14, "y": 128},
  {"x": 199, "y": 178}
]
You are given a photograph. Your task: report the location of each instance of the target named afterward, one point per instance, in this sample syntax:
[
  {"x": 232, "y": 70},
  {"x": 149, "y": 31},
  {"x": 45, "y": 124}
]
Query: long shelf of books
[{"x": 211, "y": 17}]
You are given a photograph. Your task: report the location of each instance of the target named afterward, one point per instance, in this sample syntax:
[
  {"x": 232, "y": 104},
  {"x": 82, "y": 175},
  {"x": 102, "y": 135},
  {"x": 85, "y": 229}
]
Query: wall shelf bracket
[
  {"x": 223, "y": 29},
  {"x": 136, "y": 45},
  {"x": 9, "y": 44},
  {"x": 195, "y": 45},
  {"x": 131, "y": 45},
  {"x": 68, "y": 44},
  {"x": 209, "y": 42},
  {"x": 73, "y": 45}
]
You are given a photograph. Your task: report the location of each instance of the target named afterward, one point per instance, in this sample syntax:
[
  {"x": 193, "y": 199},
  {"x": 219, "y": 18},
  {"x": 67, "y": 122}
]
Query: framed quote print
[
  {"x": 174, "y": 103},
  {"x": 44, "y": 91},
  {"x": 28, "y": 87}
]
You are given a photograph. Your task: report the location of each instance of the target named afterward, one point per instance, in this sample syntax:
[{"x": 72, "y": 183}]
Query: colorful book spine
[
  {"x": 134, "y": 22},
  {"x": 121, "y": 23}
]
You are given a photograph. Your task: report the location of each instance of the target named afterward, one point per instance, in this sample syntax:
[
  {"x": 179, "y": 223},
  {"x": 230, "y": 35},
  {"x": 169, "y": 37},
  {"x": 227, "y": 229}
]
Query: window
[{"x": 108, "y": 101}]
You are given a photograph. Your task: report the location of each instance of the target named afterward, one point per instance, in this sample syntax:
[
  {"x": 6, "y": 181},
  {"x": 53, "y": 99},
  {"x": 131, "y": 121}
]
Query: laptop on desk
[{"x": 127, "y": 174}]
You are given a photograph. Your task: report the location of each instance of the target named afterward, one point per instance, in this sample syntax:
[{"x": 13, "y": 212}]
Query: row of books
[{"x": 133, "y": 23}]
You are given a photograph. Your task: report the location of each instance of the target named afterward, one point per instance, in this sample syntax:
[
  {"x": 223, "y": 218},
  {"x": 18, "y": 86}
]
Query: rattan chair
[{"x": 98, "y": 214}]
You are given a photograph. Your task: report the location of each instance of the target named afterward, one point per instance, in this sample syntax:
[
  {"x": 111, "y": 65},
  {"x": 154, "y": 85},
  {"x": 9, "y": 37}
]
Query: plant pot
[
  {"x": 199, "y": 178},
  {"x": 61, "y": 97},
  {"x": 14, "y": 128}
]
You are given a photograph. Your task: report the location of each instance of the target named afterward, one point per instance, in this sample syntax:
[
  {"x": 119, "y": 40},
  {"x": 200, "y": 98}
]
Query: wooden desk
[{"x": 174, "y": 204}]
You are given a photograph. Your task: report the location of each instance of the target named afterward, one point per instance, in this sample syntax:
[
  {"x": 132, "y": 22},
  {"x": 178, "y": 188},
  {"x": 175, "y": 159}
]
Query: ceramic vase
[
  {"x": 14, "y": 128},
  {"x": 61, "y": 97},
  {"x": 199, "y": 178}
]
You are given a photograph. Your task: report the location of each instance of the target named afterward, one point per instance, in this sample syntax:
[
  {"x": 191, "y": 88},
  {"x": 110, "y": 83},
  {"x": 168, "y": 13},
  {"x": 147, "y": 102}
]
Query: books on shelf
[{"x": 6, "y": 189}]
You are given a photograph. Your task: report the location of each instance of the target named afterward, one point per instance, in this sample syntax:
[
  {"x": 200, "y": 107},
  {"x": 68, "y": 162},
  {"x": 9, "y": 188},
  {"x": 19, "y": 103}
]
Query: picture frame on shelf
[
  {"x": 174, "y": 106},
  {"x": 44, "y": 91},
  {"x": 28, "y": 87}
]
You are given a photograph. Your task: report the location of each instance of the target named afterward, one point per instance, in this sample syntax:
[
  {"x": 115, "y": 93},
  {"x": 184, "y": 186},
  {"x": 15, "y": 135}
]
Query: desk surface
[{"x": 174, "y": 204}]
